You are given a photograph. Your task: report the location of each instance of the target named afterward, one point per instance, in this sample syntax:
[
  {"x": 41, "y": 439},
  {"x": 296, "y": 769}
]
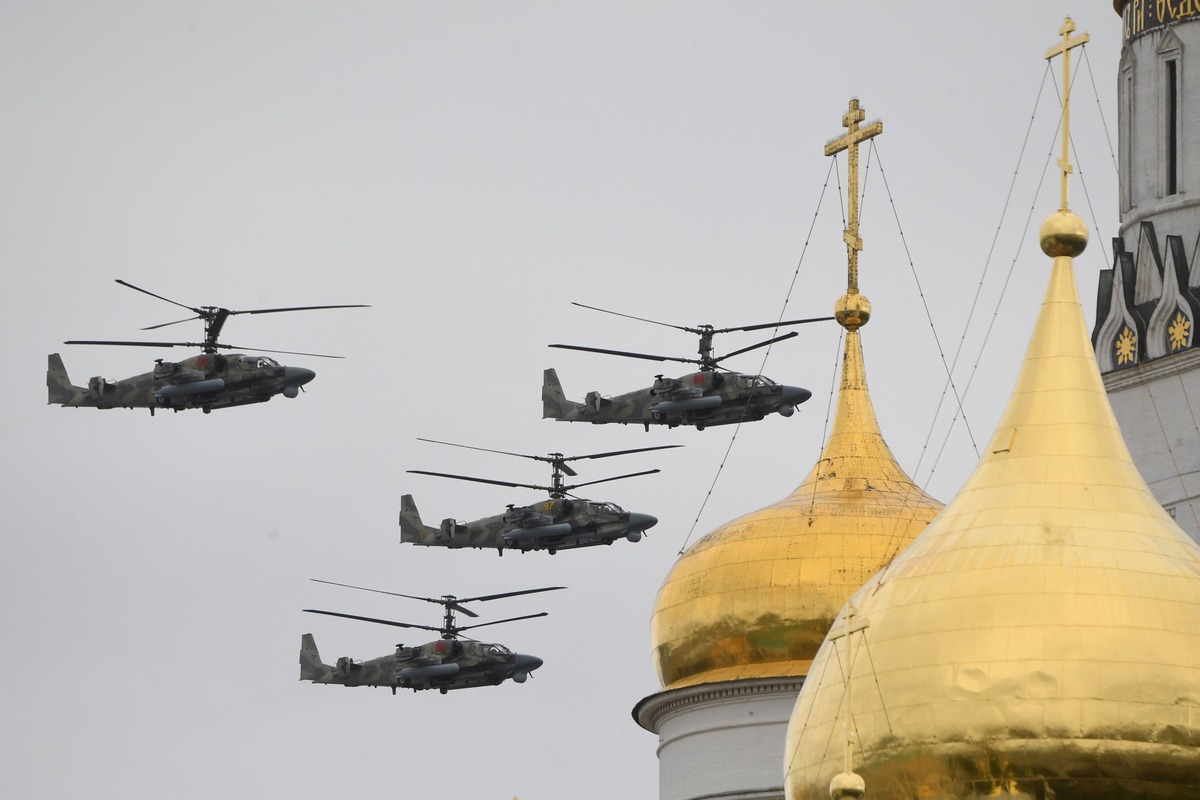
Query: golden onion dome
[
  {"x": 755, "y": 598},
  {"x": 1041, "y": 638}
]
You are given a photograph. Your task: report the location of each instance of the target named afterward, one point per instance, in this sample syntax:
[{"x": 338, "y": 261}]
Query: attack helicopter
[
  {"x": 449, "y": 663},
  {"x": 206, "y": 381},
  {"x": 712, "y": 396},
  {"x": 562, "y": 522}
]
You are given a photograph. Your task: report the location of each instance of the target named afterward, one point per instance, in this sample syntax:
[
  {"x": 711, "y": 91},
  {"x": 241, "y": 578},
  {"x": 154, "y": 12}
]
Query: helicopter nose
[
  {"x": 794, "y": 395},
  {"x": 527, "y": 663},
  {"x": 297, "y": 376},
  {"x": 640, "y": 522}
]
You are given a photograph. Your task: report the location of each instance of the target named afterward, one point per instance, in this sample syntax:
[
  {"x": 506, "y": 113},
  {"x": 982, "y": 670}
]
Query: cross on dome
[
  {"x": 1064, "y": 47},
  {"x": 849, "y": 141}
]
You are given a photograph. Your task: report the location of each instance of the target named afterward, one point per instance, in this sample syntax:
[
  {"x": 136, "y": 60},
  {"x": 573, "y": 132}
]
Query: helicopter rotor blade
[
  {"x": 165, "y": 324},
  {"x": 135, "y": 344},
  {"x": 630, "y": 316},
  {"x": 773, "y": 324},
  {"x": 486, "y": 597},
  {"x": 265, "y": 350},
  {"x": 449, "y": 600},
  {"x": 555, "y": 458},
  {"x": 295, "y": 308},
  {"x": 498, "y": 621},
  {"x": 623, "y": 452},
  {"x": 549, "y": 459},
  {"x": 708, "y": 328},
  {"x": 199, "y": 311},
  {"x": 791, "y": 335},
  {"x": 605, "y": 480},
  {"x": 215, "y": 345},
  {"x": 373, "y": 619},
  {"x": 480, "y": 480},
  {"x": 486, "y": 449},
  {"x": 627, "y": 354}
]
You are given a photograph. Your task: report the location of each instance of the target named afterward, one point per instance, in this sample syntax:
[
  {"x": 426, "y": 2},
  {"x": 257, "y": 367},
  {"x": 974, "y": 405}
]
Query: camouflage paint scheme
[
  {"x": 552, "y": 525},
  {"x": 703, "y": 398},
  {"x": 205, "y": 381},
  {"x": 443, "y": 665}
]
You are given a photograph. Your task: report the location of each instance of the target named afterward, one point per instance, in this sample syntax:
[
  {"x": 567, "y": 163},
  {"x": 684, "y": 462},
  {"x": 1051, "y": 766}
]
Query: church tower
[
  {"x": 1039, "y": 640},
  {"x": 1148, "y": 302},
  {"x": 742, "y": 613}
]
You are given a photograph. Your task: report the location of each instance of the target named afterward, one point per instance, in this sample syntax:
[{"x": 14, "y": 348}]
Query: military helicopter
[
  {"x": 559, "y": 523},
  {"x": 449, "y": 663},
  {"x": 704, "y": 398},
  {"x": 207, "y": 381}
]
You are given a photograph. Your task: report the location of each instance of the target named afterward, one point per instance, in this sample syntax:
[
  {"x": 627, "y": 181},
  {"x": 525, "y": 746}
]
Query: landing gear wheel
[{"x": 443, "y": 690}]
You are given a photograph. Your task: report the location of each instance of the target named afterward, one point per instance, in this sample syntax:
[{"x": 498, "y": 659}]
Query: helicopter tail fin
[
  {"x": 411, "y": 527},
  {"x": 311, "y": 667},
  {"x": 59, "y": 386},
  {"x": 555, "y": 404}
]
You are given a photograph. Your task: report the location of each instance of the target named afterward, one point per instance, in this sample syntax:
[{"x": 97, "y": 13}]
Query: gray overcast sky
[{"x": 468, "y": 169}]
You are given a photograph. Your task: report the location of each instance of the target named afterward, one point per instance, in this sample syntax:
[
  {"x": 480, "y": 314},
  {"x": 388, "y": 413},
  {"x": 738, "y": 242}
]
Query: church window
[
  {"x": 1125, "y": 120},
  {"x": 1172, "y": 125}
]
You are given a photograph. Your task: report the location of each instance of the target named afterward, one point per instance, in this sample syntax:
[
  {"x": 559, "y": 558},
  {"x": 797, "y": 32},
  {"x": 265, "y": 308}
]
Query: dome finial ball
[
  {"x": 847, "y": 786},
  {"x": 1063, "y": 234},
  {"x": 852, "y": 311}
]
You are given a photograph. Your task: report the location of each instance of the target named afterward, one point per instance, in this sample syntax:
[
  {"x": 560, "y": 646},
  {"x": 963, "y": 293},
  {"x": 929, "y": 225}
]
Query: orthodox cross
[
  {"x": 849, "y": 141},
  {"x": 1065, "y": 47}
]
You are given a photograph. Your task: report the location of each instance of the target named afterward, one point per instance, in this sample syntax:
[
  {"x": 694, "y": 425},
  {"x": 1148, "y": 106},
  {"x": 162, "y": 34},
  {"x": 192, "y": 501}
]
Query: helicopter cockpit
[
  {"x": 754, "y": 381},
  {"x": 251, "y": 363},
  {"x": 606, "y": 509},
  {"x": 497, "y": 650}
]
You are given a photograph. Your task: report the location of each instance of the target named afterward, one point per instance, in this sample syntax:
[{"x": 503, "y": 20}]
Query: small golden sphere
[
  {"x": 847, "y": 786},
  {"x": 1063, "y": 234},
  {"x": 852, "y": 311}
]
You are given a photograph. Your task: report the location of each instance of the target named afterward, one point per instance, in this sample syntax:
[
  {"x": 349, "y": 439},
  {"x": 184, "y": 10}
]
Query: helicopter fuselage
[
  {"x": 205, "y": 381},
  {"x": 552, "y": 525},
  {"x": 445, "y": 664},
  {"x": 701, "y": 399}
]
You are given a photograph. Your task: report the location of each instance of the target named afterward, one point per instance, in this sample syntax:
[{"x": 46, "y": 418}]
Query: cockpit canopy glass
[
  {"x": 259, "y": 362},
  {"x": 752, "y": 381}
]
